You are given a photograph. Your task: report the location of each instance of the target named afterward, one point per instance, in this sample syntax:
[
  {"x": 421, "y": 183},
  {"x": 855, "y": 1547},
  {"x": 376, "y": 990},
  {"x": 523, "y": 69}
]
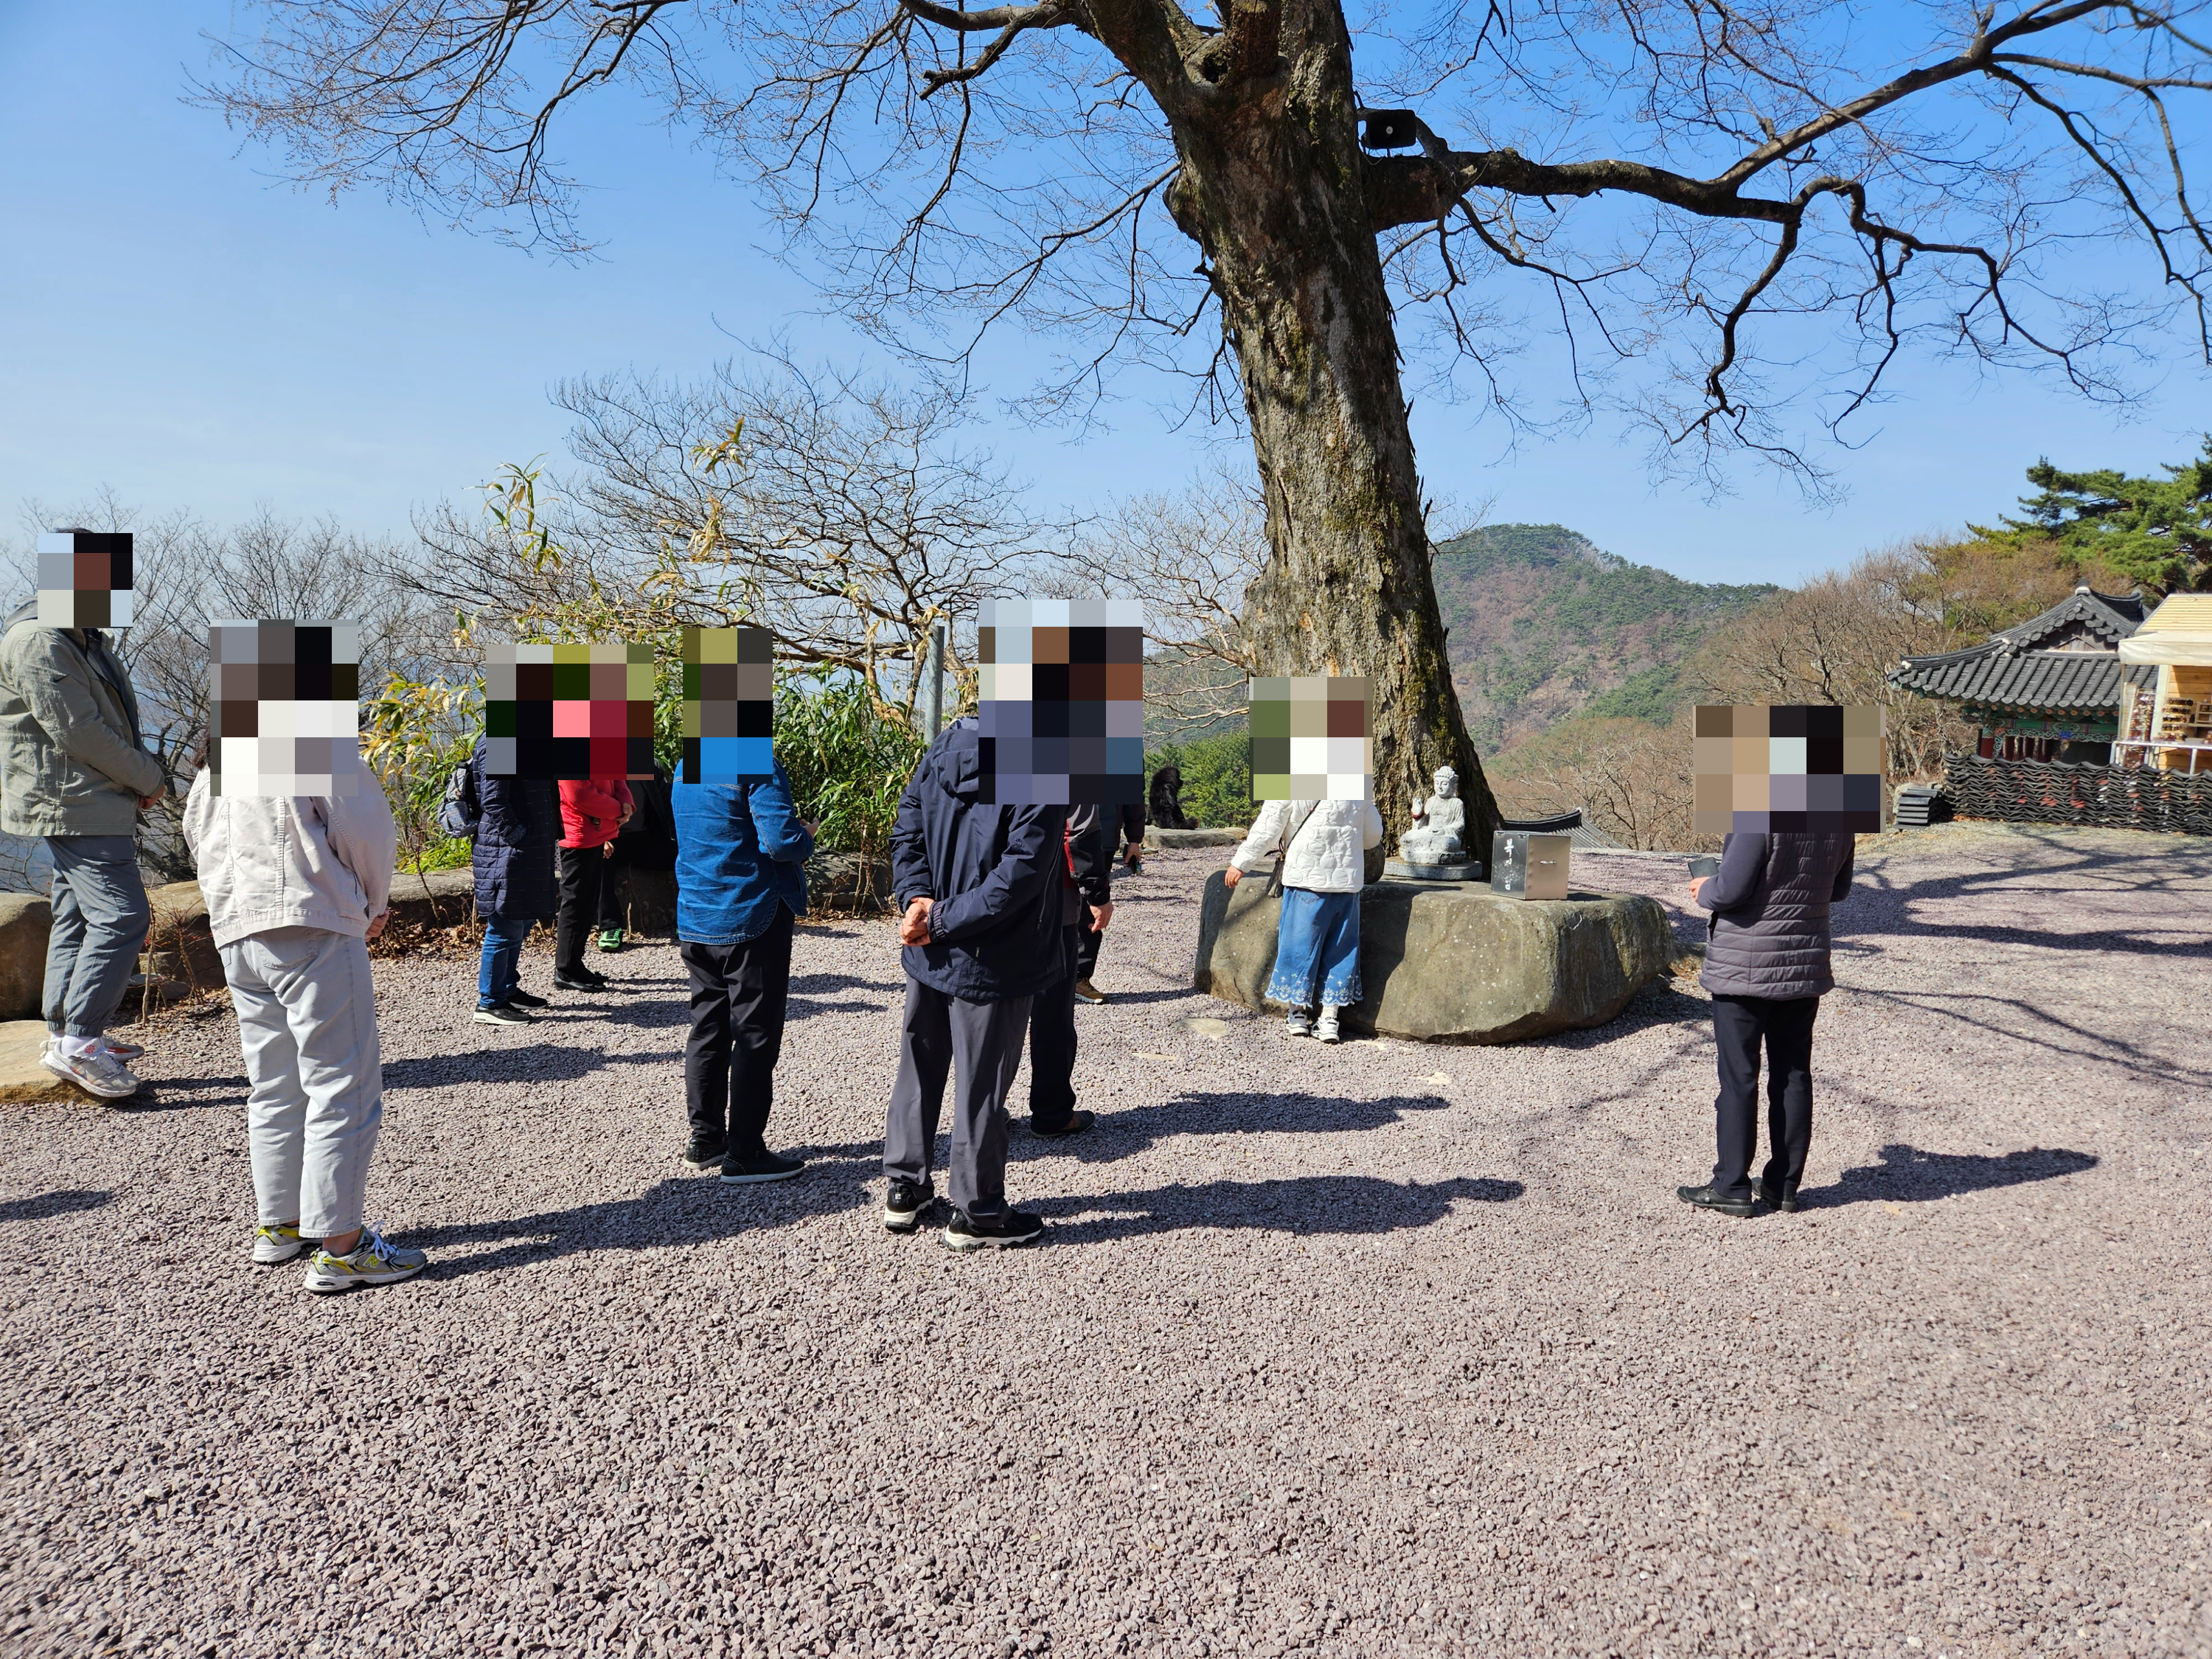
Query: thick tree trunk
[{"x": 1270, "y": 189}]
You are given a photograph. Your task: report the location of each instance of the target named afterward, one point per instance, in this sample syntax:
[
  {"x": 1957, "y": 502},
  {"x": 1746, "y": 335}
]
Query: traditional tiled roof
[
  {"x": 2009, "y": 671},
  {"x": 1569, "y": 823}
]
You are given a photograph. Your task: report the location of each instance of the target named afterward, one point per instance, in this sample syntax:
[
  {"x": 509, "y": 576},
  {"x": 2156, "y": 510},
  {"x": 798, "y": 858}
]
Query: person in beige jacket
[{"x": 295, "y": 886}]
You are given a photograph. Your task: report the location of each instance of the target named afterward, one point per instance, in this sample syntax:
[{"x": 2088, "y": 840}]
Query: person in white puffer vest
[
  {"x": 1323, "y": 845},
  {"x": 294, "y": 887}
]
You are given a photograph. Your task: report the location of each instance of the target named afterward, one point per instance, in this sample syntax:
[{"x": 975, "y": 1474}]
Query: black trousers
[
  {"x": 1052, "y": 1041},
  {"x": 737, "y": 998},
  {"x": 1087, "y": 940},
  {"x": 583, "y": 873},
  {"x": 1741, "y": 1024}
]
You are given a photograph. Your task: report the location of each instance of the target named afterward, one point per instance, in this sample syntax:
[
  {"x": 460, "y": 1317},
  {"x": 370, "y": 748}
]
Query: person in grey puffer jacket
[{"x": 1766, "y": 965}]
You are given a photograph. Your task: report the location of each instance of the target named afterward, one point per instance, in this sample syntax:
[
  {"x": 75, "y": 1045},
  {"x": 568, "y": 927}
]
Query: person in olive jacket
[
  {"x": 516, "y": 838},
  {"x": 1766, "y": 965},
  {"x": 73, "y": 770}
]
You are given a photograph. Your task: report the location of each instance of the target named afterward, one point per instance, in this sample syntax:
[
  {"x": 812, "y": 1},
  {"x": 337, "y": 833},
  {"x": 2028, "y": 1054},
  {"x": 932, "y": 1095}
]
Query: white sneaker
[
  {"x": 274, "y": 1244},
  {"x": 125, "y": 1052},
  {"x": 96, "y": 1073},
  {"x": 1298, "y": 1023},
  {"x": 1325, "y": 1027},
  {"x": 375, "y": 1261}
]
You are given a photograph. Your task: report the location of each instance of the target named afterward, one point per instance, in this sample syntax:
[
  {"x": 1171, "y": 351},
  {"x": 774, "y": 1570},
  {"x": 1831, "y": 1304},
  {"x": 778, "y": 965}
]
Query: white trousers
[{"x": 306, "y": 1027}]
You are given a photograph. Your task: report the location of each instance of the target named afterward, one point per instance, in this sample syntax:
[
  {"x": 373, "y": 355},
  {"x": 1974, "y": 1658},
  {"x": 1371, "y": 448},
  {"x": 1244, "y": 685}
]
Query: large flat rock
[
  {"x": 25, "y": 920},
  {"x": 21, "y": 1077},
  {"x": 1454, "y": 963}
]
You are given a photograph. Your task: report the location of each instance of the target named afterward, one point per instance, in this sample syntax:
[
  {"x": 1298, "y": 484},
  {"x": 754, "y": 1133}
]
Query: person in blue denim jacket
[{"x": 740, "y": 885}]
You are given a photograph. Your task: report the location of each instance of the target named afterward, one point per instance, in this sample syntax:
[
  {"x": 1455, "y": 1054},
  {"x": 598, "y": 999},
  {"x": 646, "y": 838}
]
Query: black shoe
[
  {"x": 1076, "y": 1124},
  {"x": 522, "y": 998},
  {"x": 505, "y": 1014},
  {"x": 1706, "y": 1199},
  {"x": 762, "y": 1166},
  {"x": 704, "y": 1156},
  {"x": 905, "y": 1203},
  {"x": 579, "y": 982},
  {"x": 1781, "y": 1195},
  {"x": 994, "y": 1233}
]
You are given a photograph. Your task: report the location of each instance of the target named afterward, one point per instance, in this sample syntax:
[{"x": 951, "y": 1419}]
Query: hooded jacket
[
  {"x": 270, "y": 861},
  {"x": 994, "y": 875},
  {"x": 1769, "y": 933},
  {"x": 70, "y": 763},
  {"x": 512, "y": 855}
]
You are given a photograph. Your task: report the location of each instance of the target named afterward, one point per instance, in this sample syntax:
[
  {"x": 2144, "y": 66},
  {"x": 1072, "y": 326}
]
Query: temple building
[{"x": 2047, "y": 690}]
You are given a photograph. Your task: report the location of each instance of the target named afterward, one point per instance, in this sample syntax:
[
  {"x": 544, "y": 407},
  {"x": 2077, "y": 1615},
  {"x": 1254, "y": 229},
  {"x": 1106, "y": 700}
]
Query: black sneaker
[
  {"x": 505, "y": 1014},
  {"x": 766, "y": 1166},
  {"x": 704, "y": 1156},
  {"x": 579, "y": 982},
  {"x": 905, "y": 1203},
  {"x": 522, "y": 998},
  {"x": 1706, "y": 1199},
  {"x": 1076, "y": 1124},
  {"x": 993, "y": 1232},
  {"x": 1780, "y": 1194}
]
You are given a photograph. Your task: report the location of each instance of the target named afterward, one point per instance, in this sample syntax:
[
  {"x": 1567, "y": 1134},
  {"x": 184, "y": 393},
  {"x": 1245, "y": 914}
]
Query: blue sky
[{"x": 185, "y": 328}]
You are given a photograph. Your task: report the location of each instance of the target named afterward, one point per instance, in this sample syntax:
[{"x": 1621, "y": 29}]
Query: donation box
[{"x": 1522, "y": 866}]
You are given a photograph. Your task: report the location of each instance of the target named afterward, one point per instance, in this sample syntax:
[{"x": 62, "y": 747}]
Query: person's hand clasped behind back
[{"x": 914, "y": 927}]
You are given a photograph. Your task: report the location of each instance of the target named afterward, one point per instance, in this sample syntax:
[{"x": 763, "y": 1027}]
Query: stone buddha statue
[{"x": 1438, "y": 832}]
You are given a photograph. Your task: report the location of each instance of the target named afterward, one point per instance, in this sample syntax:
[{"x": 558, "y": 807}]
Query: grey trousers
[
  {"x": 101, "y": 916},
  {"x": 982, "y": 1041},
  {"x": 306, "y": 1026}
]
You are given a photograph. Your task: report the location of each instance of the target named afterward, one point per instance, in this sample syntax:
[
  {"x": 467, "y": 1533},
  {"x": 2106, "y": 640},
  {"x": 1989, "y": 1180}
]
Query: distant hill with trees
[{"x": 1545, "y": 625}]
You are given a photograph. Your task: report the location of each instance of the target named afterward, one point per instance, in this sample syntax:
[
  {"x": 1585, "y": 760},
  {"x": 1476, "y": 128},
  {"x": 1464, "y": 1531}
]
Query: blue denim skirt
[{"x": 1316, "y": 950}]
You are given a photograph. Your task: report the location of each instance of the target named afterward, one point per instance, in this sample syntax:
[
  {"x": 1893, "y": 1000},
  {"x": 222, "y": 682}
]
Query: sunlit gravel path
[{"x": 1366, "y": 1351}]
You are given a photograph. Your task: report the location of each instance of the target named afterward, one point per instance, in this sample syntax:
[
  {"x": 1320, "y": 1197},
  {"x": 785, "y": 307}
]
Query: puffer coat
[
  {"x": 1769, "y": 933},
  {"x": 1329, "y": 853},
  {"x": 512, "y": 856}
]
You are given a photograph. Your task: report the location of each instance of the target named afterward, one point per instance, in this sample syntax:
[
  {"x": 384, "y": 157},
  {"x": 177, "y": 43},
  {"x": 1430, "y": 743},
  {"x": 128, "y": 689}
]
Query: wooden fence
[{"x": 2056, "y": 791}]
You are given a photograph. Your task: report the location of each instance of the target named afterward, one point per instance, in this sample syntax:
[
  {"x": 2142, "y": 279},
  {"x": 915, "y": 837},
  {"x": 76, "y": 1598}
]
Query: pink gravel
[{"x": 1374, "y": 1350}]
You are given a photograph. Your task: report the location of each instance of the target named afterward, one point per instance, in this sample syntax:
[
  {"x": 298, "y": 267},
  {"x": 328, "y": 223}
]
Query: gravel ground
[{"x": 1374, "y": 1350}]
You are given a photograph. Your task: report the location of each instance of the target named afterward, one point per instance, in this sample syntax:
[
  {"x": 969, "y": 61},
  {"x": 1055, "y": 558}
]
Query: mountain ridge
[{"x": 1543, "y": 625}]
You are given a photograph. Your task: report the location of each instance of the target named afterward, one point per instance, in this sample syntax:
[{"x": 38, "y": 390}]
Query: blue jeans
[
  {"x": 101, "y": 917},
  {"x": 1316, "y": 950},
  {"x": 497, "y": 978}
]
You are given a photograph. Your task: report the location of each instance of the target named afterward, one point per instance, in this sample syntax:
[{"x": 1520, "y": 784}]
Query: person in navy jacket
[
  {"x": 980, "y": 884},
  {"x": 740, "y": 885}
]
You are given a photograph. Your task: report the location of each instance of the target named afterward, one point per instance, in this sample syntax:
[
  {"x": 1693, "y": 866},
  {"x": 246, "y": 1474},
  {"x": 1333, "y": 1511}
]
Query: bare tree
[
  {"x": 1740, "y": 211},
  {"x": 842, "y": 512},
  {"x": 1633, "y": 780},
  {"x": 1189, "y": 556}
]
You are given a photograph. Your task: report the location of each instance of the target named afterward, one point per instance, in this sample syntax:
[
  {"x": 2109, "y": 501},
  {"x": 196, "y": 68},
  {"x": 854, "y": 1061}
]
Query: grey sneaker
[
  {"x": 274, "y": 1244},
  {"x": 125, "y": 1052},
  {"x": 98, "y": 1073},
  {"x": 375, "y": 1261}
]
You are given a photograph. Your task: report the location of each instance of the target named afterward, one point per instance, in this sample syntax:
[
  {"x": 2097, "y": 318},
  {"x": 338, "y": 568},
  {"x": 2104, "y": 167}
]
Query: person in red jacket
[{"x": 593, "y": 810}]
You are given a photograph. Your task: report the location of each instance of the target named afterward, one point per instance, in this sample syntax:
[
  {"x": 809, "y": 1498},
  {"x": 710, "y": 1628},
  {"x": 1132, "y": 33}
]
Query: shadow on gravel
[
  {"x": 2028, "y": 1022},
  {"x": 1119, "y": 1134},
  {"x": 540, "y": 1062},
  {"x": 47, "y": 1206},
  {"x": 1131, "y": 997},
  {"x": 1908, "y": 1174},
  {"x": 681, "y": 1211},
  {"x": 1304, "y": 1204}
]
